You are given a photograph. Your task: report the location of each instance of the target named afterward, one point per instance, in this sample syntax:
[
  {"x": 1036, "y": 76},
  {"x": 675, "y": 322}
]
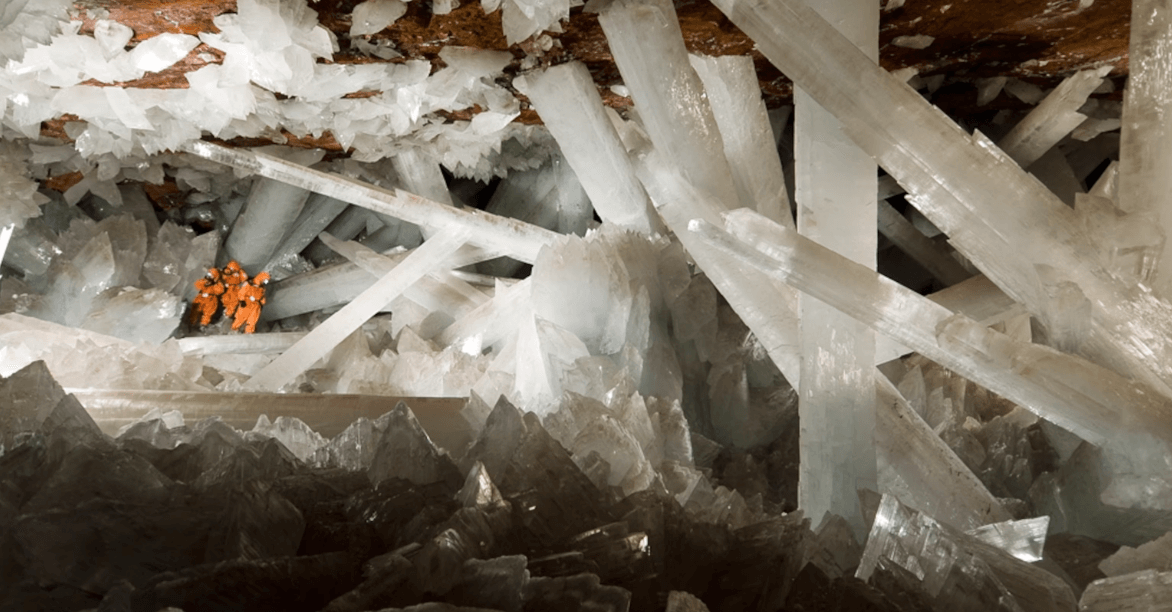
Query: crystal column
[
  {"x": 837, "y": 188},
  {"x": 1145, "y": 149}
]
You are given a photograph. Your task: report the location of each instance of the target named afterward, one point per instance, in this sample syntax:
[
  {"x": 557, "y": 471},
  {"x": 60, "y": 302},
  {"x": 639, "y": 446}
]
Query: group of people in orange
[{"x": 241, "y": 298}]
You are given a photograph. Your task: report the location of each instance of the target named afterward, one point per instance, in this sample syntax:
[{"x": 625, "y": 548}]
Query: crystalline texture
[
  {"x": 956, "y": 570},
  {"x": 567, "y": 100},
  {"x": 266, "y": 218},
  {"x": 373, "y": 16},
  {"x": 1067, "y": 390},
  {"x": 518, "y": 240},
  {"x": 1146, "y": 591},
  {"x": 1051, "y": 120},
  {"x": 983, "y": 200},
  {"x": 836, "y": 193},
  {"x": 645, "y": 38},
  {"x": 330, "y": 332},
  {"x": 735, "y": 95}
]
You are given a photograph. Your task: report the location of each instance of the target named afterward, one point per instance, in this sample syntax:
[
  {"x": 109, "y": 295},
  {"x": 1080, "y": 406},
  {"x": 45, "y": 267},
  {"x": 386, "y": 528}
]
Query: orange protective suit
[
  {"x": 235, "y": 279},
  {"x": 207, "y": 299},
  {"x": 252, "y": 297}
]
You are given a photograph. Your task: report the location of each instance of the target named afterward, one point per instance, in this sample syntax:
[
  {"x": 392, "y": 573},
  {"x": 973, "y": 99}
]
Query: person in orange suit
[
  {"x": 252, "y": 297},
  {"x": 235, "y": 279},
  {"x": 207, "y": 298}
]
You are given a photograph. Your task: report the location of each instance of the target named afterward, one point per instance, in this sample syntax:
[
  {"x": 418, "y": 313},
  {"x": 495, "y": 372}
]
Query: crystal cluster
[{"x": 691, "y": 356}]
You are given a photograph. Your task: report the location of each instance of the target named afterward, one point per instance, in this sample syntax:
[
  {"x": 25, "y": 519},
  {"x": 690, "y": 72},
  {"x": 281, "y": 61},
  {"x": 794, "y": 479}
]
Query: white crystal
[
  {"x": 373, "y": 16},
  {"x": 333, "y": 330}
]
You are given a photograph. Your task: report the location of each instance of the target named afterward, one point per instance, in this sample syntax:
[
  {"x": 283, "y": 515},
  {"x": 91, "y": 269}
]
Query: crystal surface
[
  {"x": 326, "y": 336},
  {"x": 959, "y": 190},
  {"x": 568, "y": 102},
  {"x": 268, "y": 215}
]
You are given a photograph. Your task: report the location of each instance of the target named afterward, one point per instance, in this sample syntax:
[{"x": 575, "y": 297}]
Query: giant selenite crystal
[
  {"x": 1006, "y": 222},
  {"x": 836, "y": 194},
  {"x": 1145, "y": 149}
]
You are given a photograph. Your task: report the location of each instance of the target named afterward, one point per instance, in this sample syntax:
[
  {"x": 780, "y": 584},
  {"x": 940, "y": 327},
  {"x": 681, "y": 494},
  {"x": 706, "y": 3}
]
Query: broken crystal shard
[
  {"x": 1152, "y": 555},
  {"x": 957, "y": 570},
  {"x": 404, "y": 451},
  {"x": 1145, "y": 591},
  {"x": 137, "y": 315},
  {"x": 937, "y": 261},
  {"x": 266, "y": 218},
  {"x": 1091, "y": 401},
  {"x": 648, "y": 47},
  {"x": 1023, "y": 539},
  {"x": 568, "y": 102},
  {"x": 731, "y": 85},
  {"x": 341, "y": 324},
  {"x": 1050, "y": 121},
  {"x": 957, "y": 179},
  {"x": 518, "y": 240}
]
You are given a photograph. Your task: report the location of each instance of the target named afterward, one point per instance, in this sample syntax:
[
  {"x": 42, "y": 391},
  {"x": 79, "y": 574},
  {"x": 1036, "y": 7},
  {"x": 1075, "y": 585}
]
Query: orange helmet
[
  {"x": 261, "y": 279},
  {"x": 213, "y": 274},
  {"x": 232, "y": 266}
]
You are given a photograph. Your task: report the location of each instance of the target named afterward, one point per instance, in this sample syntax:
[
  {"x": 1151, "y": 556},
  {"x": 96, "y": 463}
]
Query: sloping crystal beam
[
  {"x": 1097, "y": 404},
  {"x": 518, "y": 240},
  {"x": 735, "y": 95},
  {"x": 1145, "y": 146},
  {"x": 942, "y": 266},
  {"x": 318, "y": 213},
  {"x": 333, "y": 330},
  {"x": 266, "y": 218},
  {"x": 436, "y": 291},
  {"x": 568, "y": 102},
  {"x": 917, "y": 466},
  {"x": 836, "y": 189},
  {"x": 1005, "y": 221},
  {"x": 644, "y": 37},
  {"x": 1052, "y": 119}
]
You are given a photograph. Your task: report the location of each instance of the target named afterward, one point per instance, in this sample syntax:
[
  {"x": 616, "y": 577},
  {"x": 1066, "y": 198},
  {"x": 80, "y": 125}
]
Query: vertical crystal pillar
[
  {"x": 1145, "y": 150},
  {"x": 837, "y": 187},
  {"x": 269, "y": 214}
]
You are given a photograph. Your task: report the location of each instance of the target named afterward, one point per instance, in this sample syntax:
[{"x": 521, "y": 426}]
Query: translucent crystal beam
[
  {"x": 437, "y": 291},
  {"x": 1145, "y": 147},
  {"x": 1052, "y": 119},
  {"x": 919, "y": 468},
  {"x": 266, "y": 218},
  {"x": 318, "y": 213},
  {"x": 1093, "y": 402},
  {"x": 1002, "y": 219},
  {"x": 644, "y": 37},
  {"x": 333, "y": 330},
  {"x": 568, "y": 102},
  {"x": 836, "y": 193},
  {"x": 735, "y": 96},
  {"x": 517, "y": 239}
]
